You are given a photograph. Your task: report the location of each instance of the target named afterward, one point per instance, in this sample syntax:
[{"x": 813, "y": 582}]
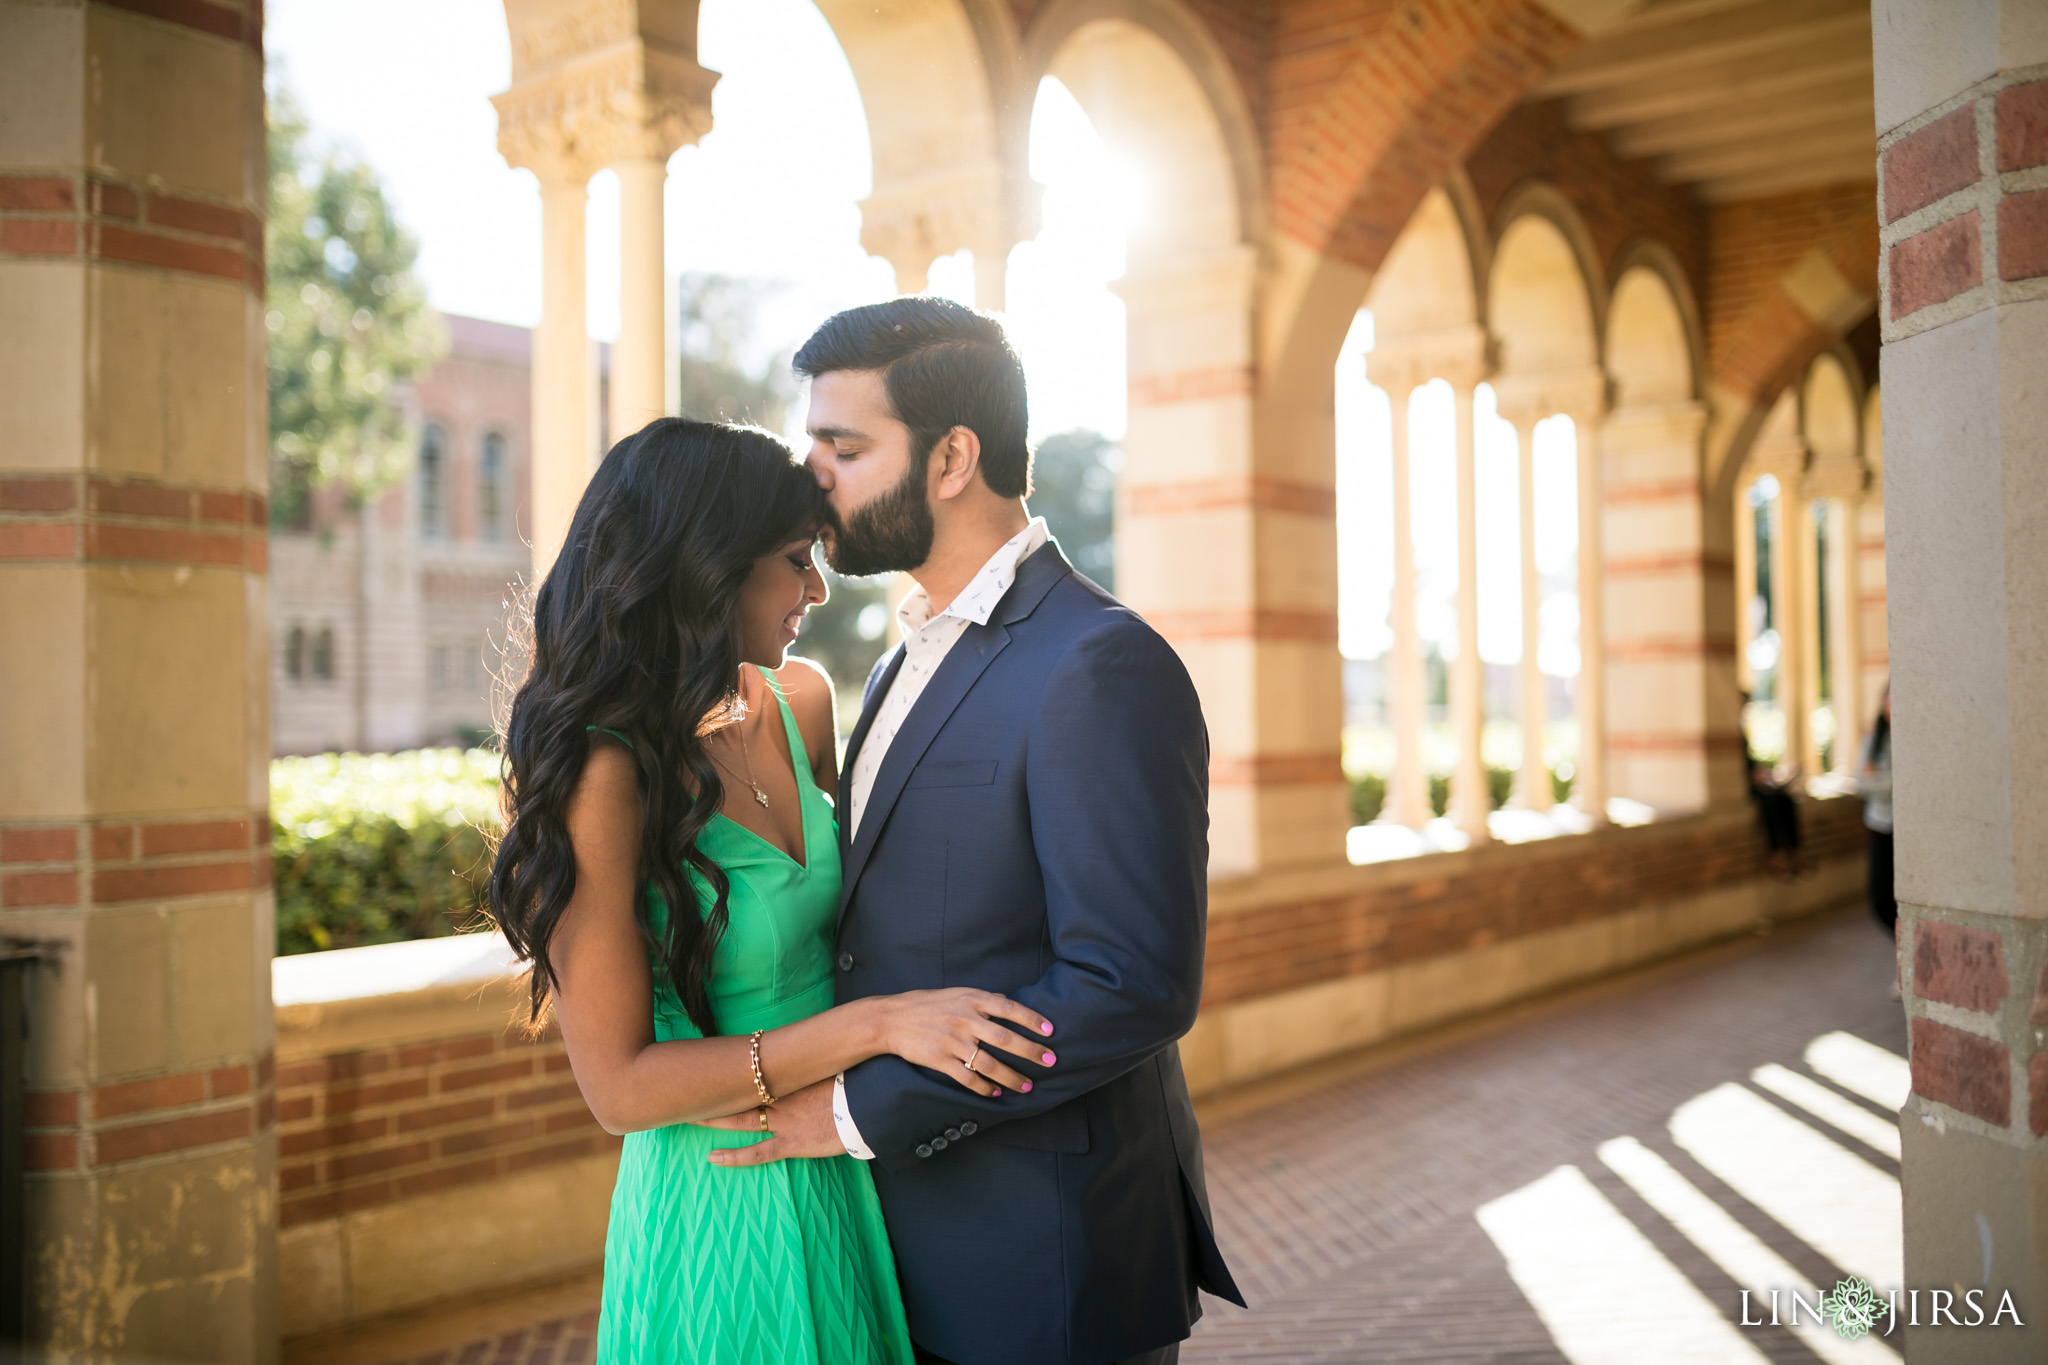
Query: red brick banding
[
  {"x": 2022, "y": 117},
  {"x": 1271, "y": 495},
  {"x": 2023, "y": 236},
  {"x": 1966, "y": 1072},
  {"x": 1959, "y": 966},
  {"x": 433, "y": 1119},
  {"x": 1260, "y": 624},
  {"x": 1930, "y": 164},
  {"x": 38, "y": 890},
  {"x": 2037, "y": 1094},
  {"x": 1935, "y": 266},
  {"x": 1277, "y": 770},
  {"x": 38, "y": 495},
  {"x": 38, "y": 845}
]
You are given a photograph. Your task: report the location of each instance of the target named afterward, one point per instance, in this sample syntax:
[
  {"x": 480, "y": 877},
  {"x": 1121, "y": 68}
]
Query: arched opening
[
  {"x": 1399, "y": 537},
  {"x": 1536, "y": 477}
]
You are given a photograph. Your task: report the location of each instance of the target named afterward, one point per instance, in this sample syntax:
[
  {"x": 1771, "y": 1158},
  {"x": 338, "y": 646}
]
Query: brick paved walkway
[{"x": 1463, "y": 1198}]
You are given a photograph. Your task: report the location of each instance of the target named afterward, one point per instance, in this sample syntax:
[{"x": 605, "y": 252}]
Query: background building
[{"x": 388, "y": 620}]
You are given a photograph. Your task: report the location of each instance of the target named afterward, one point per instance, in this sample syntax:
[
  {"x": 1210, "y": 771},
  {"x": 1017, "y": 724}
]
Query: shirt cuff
[{"x": 842, "y": 1119}]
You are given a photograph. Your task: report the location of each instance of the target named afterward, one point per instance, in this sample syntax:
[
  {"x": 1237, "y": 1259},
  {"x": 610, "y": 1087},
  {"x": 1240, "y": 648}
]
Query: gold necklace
[{"x": 748, "y": 755}]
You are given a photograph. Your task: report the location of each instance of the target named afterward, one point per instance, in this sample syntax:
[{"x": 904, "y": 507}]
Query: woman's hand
[{"x": 948, "y": 1029}]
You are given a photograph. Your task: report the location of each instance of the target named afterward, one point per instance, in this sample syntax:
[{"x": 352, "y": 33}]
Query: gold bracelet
[{"x": 760, "y": 1086}]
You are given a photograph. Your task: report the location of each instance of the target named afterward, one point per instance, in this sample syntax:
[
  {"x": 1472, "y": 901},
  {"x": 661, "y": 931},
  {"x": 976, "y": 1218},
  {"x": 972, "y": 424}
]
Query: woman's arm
[
  {"x": 604, "y": 997},
  {"x": 809, "y": 689}
]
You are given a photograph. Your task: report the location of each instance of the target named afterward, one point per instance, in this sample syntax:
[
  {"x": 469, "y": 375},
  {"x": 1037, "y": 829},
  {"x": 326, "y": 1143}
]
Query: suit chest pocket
[{"x": 978, "y": 772}]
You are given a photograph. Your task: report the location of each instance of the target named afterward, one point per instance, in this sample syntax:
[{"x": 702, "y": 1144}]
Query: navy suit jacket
[{"x": 1039, "y": 827}]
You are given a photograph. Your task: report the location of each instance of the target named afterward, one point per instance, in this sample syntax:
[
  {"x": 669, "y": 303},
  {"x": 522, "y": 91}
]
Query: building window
[
  {"x": 433, "y": 483},
  {"x": 439, "y": 672},
  {"x": 295, "y": 653},
  {"x": 323, "y": 654},
  {"x": 490, "y": 489}
]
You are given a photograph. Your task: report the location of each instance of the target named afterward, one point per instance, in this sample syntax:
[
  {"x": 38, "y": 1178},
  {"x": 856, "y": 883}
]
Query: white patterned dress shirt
[{"x": 927, "y": 640}]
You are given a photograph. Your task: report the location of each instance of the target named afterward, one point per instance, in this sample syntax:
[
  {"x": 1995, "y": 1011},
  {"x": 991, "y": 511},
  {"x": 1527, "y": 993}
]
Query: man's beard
[{"x": 891, "y": 534}]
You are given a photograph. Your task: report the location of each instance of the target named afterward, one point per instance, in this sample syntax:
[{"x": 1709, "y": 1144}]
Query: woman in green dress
[{"x": 670, "y": 869}]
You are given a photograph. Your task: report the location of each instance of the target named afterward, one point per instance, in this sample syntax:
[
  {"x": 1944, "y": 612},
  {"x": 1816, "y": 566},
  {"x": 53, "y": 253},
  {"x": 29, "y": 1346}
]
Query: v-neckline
[{"x": 794, "y": 739}]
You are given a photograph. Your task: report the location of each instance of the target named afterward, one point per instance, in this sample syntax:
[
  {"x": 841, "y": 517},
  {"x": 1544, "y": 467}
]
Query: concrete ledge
[{"x": 389, "y": 993}]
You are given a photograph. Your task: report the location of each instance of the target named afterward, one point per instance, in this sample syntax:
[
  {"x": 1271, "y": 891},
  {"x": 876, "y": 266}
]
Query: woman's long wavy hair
[{"x": 636, "y": 629}]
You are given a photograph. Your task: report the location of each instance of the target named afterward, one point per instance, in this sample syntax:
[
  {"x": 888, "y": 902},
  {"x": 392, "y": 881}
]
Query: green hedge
[
  {"x": 376, "y": 848},
  {"x": 1369, "y": 792}
]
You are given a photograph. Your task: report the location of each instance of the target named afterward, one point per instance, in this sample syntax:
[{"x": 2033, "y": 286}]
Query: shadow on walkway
[{"x": 1595, "y": 1176}]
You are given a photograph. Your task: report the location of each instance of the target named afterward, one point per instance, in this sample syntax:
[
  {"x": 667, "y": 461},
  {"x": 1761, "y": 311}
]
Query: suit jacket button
[
  {"x": 938, "y": 1144},
  {"x": 953, "y": 1134},
  {"x": 924, "y": 1149},
  {"x": 846, "y": 962},
  {"x": 969, "y": 1128}
]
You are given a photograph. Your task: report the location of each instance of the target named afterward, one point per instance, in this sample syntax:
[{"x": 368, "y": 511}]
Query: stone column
[
  {"x": 1964, "y": 231},
  {"x": 639, "y": 389},
  {"x": 1471, "y": 801},
  {"x": 134, "y": 667},
  {"x": 1532, "y": 779},
  {"x": 618, "y": 86},
  {"x": 1803, "y": 602},
  {"x": 1589, "y": 699},
  {"x": 1407, "y": 685},
  {"x": 1745, "y": 585},
  {"x": 1845, "y": 630},
  {"x": 563, "y": 453},
  {"x": 1786, "y": 512}
]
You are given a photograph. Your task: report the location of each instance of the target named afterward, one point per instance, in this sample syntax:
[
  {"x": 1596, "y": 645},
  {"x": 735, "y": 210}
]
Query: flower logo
[{"x": 1852, "y": 1309}]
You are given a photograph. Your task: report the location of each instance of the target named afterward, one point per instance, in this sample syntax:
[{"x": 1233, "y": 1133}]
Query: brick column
[
  {"x": 1962, "y": 172},
  {"x": 1672, "y": 742},
  {"x": 134, "y": 734}
]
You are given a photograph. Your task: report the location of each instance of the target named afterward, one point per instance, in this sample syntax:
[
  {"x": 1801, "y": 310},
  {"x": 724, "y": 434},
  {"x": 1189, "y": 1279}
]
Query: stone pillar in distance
[{"x": 1963, "y": 105}]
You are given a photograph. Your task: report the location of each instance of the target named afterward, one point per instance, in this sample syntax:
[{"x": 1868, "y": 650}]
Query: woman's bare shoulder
[{"x": 809, "y": 689}]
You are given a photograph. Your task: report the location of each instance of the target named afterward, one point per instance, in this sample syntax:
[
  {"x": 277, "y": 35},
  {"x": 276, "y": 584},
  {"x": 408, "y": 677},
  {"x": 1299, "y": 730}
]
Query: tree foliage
[
  {"x": 727, "y": 373},
  {"x": 347, "y": 322},
  {"x": 1073, "y": 486}
]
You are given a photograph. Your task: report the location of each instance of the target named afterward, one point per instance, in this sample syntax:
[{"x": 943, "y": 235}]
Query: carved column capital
[
  {"x": 911, "y": 222},
  {"x": 589, "y": 90},
  {"x": 1526, "y": 398}
]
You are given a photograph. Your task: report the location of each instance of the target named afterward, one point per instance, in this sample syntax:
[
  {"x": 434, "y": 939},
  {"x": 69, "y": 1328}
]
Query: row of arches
[{"x": 1227, "y": 510}]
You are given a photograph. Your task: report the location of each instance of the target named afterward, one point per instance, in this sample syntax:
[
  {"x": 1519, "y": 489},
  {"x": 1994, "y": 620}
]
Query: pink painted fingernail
[
  {"x": 993, "y": 1094},
  {"x": 1048, "y": 1059},
  {"x": 1046, "y": 1029},
  {"x": 1026, "y": 1087}
]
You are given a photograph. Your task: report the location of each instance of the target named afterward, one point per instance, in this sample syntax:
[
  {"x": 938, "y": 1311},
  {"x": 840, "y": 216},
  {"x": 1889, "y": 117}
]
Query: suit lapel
[
  {"x": 971, "y": 654},
  {"x": 964, "y": 664}
]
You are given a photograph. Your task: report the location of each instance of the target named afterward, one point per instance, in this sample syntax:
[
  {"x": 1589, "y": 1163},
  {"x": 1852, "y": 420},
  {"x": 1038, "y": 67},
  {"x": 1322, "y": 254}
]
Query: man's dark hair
[{"x": 943, "y": 365}]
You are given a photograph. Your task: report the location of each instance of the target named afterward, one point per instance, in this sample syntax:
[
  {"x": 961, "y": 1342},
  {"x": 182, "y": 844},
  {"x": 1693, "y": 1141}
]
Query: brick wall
[
  {"x": 1497, "y": 893},
  {"x": 375, "y": 1125},
  {"x": 1758, "y": 340}
]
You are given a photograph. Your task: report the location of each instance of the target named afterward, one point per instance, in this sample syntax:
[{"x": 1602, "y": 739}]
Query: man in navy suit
[{"x": 1024, "y": 810}]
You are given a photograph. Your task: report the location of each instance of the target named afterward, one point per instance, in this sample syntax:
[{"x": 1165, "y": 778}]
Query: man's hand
[{"x": 802, "y": 1124}]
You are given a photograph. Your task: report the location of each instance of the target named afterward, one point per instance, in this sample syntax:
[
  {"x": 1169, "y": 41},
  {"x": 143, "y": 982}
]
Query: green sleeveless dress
[{"x": 762, "y": 1265}]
